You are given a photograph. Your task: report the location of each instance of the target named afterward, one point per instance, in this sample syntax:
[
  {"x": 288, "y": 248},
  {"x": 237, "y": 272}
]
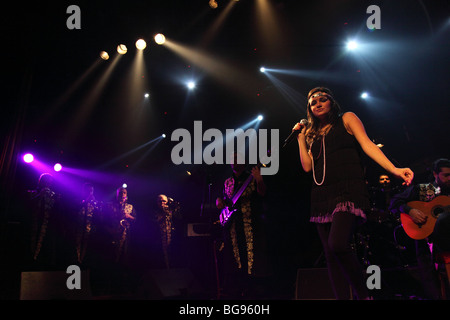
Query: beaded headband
[{"x": 318, "y": 94}]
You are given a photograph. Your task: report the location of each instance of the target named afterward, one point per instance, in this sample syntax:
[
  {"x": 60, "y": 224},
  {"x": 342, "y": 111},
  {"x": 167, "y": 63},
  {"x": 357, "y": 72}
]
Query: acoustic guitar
[{"x": 431, "y": 209}]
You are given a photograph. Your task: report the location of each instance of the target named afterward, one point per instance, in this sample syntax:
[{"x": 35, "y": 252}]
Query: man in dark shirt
[
  {"x": 440, "y": 237},
  {"x": 244, "y": 239}
]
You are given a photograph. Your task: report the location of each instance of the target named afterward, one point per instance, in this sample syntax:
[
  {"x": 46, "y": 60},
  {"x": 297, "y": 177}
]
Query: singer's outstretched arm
[{"x": 355, "y": 127}]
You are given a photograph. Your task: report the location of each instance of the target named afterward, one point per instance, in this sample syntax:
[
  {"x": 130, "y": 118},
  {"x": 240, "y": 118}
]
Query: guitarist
[
  {"x": 243, "y": 234},
  {"x": 440, "y": 237}
]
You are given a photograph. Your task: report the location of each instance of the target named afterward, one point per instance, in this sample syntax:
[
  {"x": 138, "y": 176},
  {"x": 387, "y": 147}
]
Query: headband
[{"x": 318, "y": 94}]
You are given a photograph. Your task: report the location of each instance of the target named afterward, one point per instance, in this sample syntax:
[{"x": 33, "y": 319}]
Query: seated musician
[{"x": 440, "y": 237}]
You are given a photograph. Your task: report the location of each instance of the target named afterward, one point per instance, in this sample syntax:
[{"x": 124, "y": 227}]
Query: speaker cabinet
[
  {"x": 51, "y": 285},
  {"x": 313, "y": 284},
  {"x": 175, "y": 283}
]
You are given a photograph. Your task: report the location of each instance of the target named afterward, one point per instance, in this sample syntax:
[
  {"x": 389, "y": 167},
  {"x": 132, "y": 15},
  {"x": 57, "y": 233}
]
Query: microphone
[{"x": 295, "y": 133}]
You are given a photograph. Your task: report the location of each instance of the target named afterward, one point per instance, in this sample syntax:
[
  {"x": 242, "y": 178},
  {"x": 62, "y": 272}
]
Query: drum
[{"x": 383, "y": 242}]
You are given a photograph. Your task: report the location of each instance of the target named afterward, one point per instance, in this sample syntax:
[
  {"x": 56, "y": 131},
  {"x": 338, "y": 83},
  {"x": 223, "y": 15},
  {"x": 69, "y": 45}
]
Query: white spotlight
[
  {"x": 160, "y": 38},
  {"x": 122, "y": 49},
  {"x": 147, "y": 95},
  {"x": 141, "y": 44},
  {"x": 352, "y": 45},
  {"x": 28, "y": 158},
  {"x": 260, "y": 117},
  {"x": 163, "y": 135},
  {"x": 364, "y": 95},
  {"x": 57, "y": 167},
  {"x": 191, "y": 85},
  {"x": 262, "y": 69},
  {"x": 124, "y": 185}
]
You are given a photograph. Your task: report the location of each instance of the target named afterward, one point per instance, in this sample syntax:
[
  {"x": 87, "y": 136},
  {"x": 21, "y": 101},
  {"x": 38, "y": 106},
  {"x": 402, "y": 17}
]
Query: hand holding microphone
[{"x": 295, "y": 131}]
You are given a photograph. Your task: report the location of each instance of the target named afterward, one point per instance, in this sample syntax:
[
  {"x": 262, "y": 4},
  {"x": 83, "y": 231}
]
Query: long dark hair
[{"x": 313, "y": 123}]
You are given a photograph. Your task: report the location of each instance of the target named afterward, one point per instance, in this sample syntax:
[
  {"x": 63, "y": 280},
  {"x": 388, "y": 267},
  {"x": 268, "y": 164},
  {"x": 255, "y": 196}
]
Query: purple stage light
[
  {"x": 57, "y": 167},
  {"x": 28, "y": 158}
]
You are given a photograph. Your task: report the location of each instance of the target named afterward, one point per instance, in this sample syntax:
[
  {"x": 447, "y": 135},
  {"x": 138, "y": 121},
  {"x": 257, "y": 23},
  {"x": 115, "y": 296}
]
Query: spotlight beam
[
  {"x": 91, "y": 175},
  {"x": 90, "y": 100},
  {"x": 135, "y": 84},
  {"x": 245, "y": 136},
  {"x": 218, "y": 23},
  {"x": 69, "y": 92},
  {"x": 40, "y": 166},
  {"x": 155, "y": 141},
  {"x": 270, "y": 26},
  {"x": 293, "y": 97},
  {"x": 310, "y": 74},
  {"x": 224, "y": 72},
  {"x": 122, "y": 156}
]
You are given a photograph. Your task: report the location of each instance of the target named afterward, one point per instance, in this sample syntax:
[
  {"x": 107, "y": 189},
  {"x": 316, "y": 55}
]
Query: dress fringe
[{"x": 340, "y": 207}]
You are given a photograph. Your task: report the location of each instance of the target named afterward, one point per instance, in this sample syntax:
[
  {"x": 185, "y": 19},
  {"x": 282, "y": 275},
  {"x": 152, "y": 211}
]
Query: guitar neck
[{"x": 238, "y": 194}]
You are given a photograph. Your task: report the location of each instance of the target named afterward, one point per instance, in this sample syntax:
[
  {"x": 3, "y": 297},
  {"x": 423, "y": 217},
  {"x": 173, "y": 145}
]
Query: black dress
[{"x": 344, "y": 187}]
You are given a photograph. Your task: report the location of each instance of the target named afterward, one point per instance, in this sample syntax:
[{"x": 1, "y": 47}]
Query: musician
[
  {"x": 88, "y": 222},
  {"x": 382, "y": 193},
  {"x": 244, "y": 240},
  {"x": 46, "y": 224},
  {"x": 167, "y": 220},
  {"x": 440, "y": 238},
  {"x": 119, "y": 217},
  {"x": 331, "y": 146},
  {"x": 385, "y": 238}
]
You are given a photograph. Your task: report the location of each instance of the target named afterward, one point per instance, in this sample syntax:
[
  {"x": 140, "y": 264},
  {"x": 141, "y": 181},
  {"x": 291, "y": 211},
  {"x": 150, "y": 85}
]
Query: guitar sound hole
[{"x": 437, "y": 211}]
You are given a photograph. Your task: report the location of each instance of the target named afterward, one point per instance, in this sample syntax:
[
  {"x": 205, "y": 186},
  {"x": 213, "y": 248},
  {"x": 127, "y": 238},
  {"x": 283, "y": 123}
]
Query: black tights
[{"x": 344, "y": 269}]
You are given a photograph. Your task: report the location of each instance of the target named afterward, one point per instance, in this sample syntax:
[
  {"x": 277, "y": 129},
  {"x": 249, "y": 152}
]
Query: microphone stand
[{"x": 207, "y": 203}]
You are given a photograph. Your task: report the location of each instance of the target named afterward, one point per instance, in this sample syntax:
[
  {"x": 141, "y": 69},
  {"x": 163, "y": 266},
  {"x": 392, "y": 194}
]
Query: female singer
[{"x": 330, "y": 145}]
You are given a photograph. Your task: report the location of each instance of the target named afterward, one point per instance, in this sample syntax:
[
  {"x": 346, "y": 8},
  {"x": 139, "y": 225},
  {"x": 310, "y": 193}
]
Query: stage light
[
  {"x": 104, "y": 55},
  {"x": 260, "y": 117},
  {"x": 352, "y": 45},
  {"x": 147, "y": 95},
  {"x": 213, "y": 4},
  {"x": 191, "y": 85},
  {"x": 124, "y": 185},
  {"x": 262, "y": 69},
  {"x": 28, "y": 158},
  {"x": 57, "y": 167},
  {"x": 160, "y": 38},
  {"x": 163, "y": 135},
  {"x": 364, "y": 95},
  {"x": 141, "y": 44},
  {"x": 122, "y": 49}
]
